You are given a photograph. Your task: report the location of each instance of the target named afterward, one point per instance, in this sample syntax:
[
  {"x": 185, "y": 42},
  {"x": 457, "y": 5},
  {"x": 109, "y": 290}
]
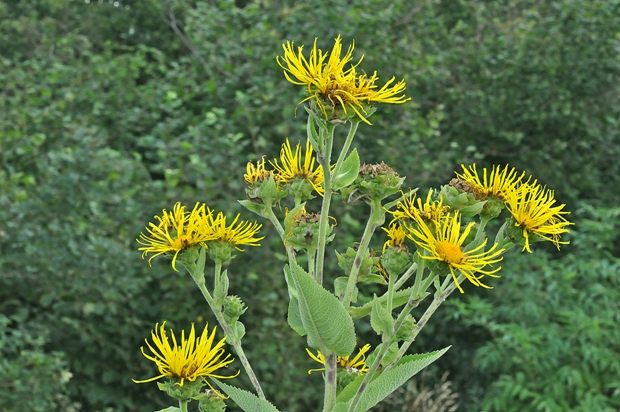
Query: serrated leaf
[
  {"x": 381, "y": 320},
  {"x": 386, "y": 382},
  {"x": 294, "y": 318},
  {"x": 325, "y": 319},
  {"x": 348, "y": 171},
  {"x": 246, "y": 400}
]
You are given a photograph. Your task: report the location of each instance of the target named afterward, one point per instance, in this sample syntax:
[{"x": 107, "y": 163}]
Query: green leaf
[
  {"x": 294, "y": 318},
  {"x": 313, "y": 136},
  {"x": 325, "y": 319},
  {"x": 386, "y": 382},
  {"x": 221, "y": 289},
  {"x": 246, "y": 400},
  {"x": 340, "y": 285},
  {"x": 381, "y": 320},
  {"x": 348, "y": 171},
  {"x": 252, "y": 207},
  {"x": 170, "y": 409}
]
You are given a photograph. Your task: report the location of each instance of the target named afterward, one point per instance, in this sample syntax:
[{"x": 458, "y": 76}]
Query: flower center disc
[{"x": 449, "y": 252}]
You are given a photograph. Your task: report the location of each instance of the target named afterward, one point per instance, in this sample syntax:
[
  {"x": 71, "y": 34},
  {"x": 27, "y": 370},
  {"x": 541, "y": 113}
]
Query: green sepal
[
  {"x": 381, "y": 320},
  {"x": 384, "y": 383},
  {"x": 221, "y": 289},
  {"x": 246, "y": 400},
  {"x": 332, "y": 333},
  {"x": 190, "y": 390},
  {"x": 348, "y": 171},
  {"x": 340, "y": 285},
  {"x": 294, "y": 318}
]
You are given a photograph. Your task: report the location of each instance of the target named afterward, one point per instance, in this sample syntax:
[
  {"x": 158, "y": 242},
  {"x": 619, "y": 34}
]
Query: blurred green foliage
[{"x": 107, "y": 115}]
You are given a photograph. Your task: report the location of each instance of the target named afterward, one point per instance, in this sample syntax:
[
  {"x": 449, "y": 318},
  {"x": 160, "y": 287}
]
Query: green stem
[
  {"x": 330, "y": 383},
  {"x": 437, "y": 301},
  {"x": 183, "y": 405},
  {"x": 377, "y": 214},
  {"x": 324, "y": 159},
  {"x": 199, "y": 279},
  {"x": 390, "y": 293},
  {"x": 276, "y": 223},
  {"x": 371, "y": 372},
  {"x": 311, "y": 261},
  {"x": 401, "y": 281}
]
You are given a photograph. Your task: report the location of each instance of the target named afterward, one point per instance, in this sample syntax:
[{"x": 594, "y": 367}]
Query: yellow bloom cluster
[
  {"x": 188, "y": 360},
  {"x": 180, "y": 230},
  {"x": 331, "y": 84}
]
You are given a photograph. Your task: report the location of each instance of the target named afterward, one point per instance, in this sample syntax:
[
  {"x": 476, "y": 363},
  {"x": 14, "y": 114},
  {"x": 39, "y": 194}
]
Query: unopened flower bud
[
  {"x": 459, "y": 195},
  {"x": 368, "y": 265},
  {"x": 233, "y": 308},
  {"x": 396, "y": 259},
  {"x": 405, "y": 333},
  {"x": 211, "y": 402},
  {"x": 376, "y": 181},
  {"x": 302, "y": 228}
]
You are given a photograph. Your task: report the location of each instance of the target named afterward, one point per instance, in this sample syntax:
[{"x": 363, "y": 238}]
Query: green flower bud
[
  {"x": 405, "y": 333},
  {"x": 190, "y": 390},
  {"x": 368, "y": 268},
  {"x": 459, "y": 195},
  {"x": 262, "y": 186},
  {"x": 301, "y": 188},
  {"x": 302, "y": 228},
  {"x": 210, "y": 402},
  {"x": 233, "y": 308},
  {"x": 395, "y": 260},
  {"x": 221, "y": 252},
  {"x": 376, "y": 182}
]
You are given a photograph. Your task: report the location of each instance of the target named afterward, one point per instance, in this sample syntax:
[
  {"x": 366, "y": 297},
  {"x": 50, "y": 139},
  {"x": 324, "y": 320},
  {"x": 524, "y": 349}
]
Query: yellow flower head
[
  {"x": 396, "y": 235},
  {"x": 237, "y": 233},
  {"x": 429, "y": 211},
  {"x": 533, "y": 211},
  {"x": 358, "y": 363},
  {"x": 445, "y": 244},
  {"x": 193, "y": 358},
  {"x": 500, "y": 183},
  {"x": 256, "y": 174},
  {"x": 331, "y": 85},
  {"x": 293, "y": 168},
  {"x": 176, "y": 231}
]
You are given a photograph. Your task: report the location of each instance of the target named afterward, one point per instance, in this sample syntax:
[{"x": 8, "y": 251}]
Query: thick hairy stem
[
  {"x": 324, "y": 159},
  {"x": 330, "y": 383}
]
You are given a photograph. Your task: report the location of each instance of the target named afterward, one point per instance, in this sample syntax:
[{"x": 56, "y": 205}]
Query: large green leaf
[
  {"x": 325, "y": 319},
  {"x": 294, "y": 318},
  {"x": 385, "y": 383},
  {"x": 246, "y": 400}
]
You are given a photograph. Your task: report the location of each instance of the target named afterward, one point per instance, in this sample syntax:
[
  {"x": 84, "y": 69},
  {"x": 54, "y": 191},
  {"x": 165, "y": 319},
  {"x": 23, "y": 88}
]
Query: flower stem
[
  {"x": 377, "y": 214},
  {"x": 236, "y": 343},
  {"x": 183, "y": 405},
  {"x": 330, "y": 383},
  {"x": 324, "y": 160}
]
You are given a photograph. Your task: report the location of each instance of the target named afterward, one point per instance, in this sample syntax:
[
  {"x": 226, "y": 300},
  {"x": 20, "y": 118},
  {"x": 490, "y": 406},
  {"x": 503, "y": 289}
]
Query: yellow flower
[
  {"x": 237, "y": 233},
  {"x": 331, "y": 85},
  {"x": 358, "y": 363},
  {"x": 256, "y": 174},
  {"x": 396, "y": 235},
  {"x": 292, "y": 167},
  {"x": 429, "y": 211},
  {"x": 176, "y": 231},
  {"x": 500, "y": 183},
  {"x": 533, "y": 212},
  {"x": 194, "y": 358},
  {"x": 445, "y": 244}
]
